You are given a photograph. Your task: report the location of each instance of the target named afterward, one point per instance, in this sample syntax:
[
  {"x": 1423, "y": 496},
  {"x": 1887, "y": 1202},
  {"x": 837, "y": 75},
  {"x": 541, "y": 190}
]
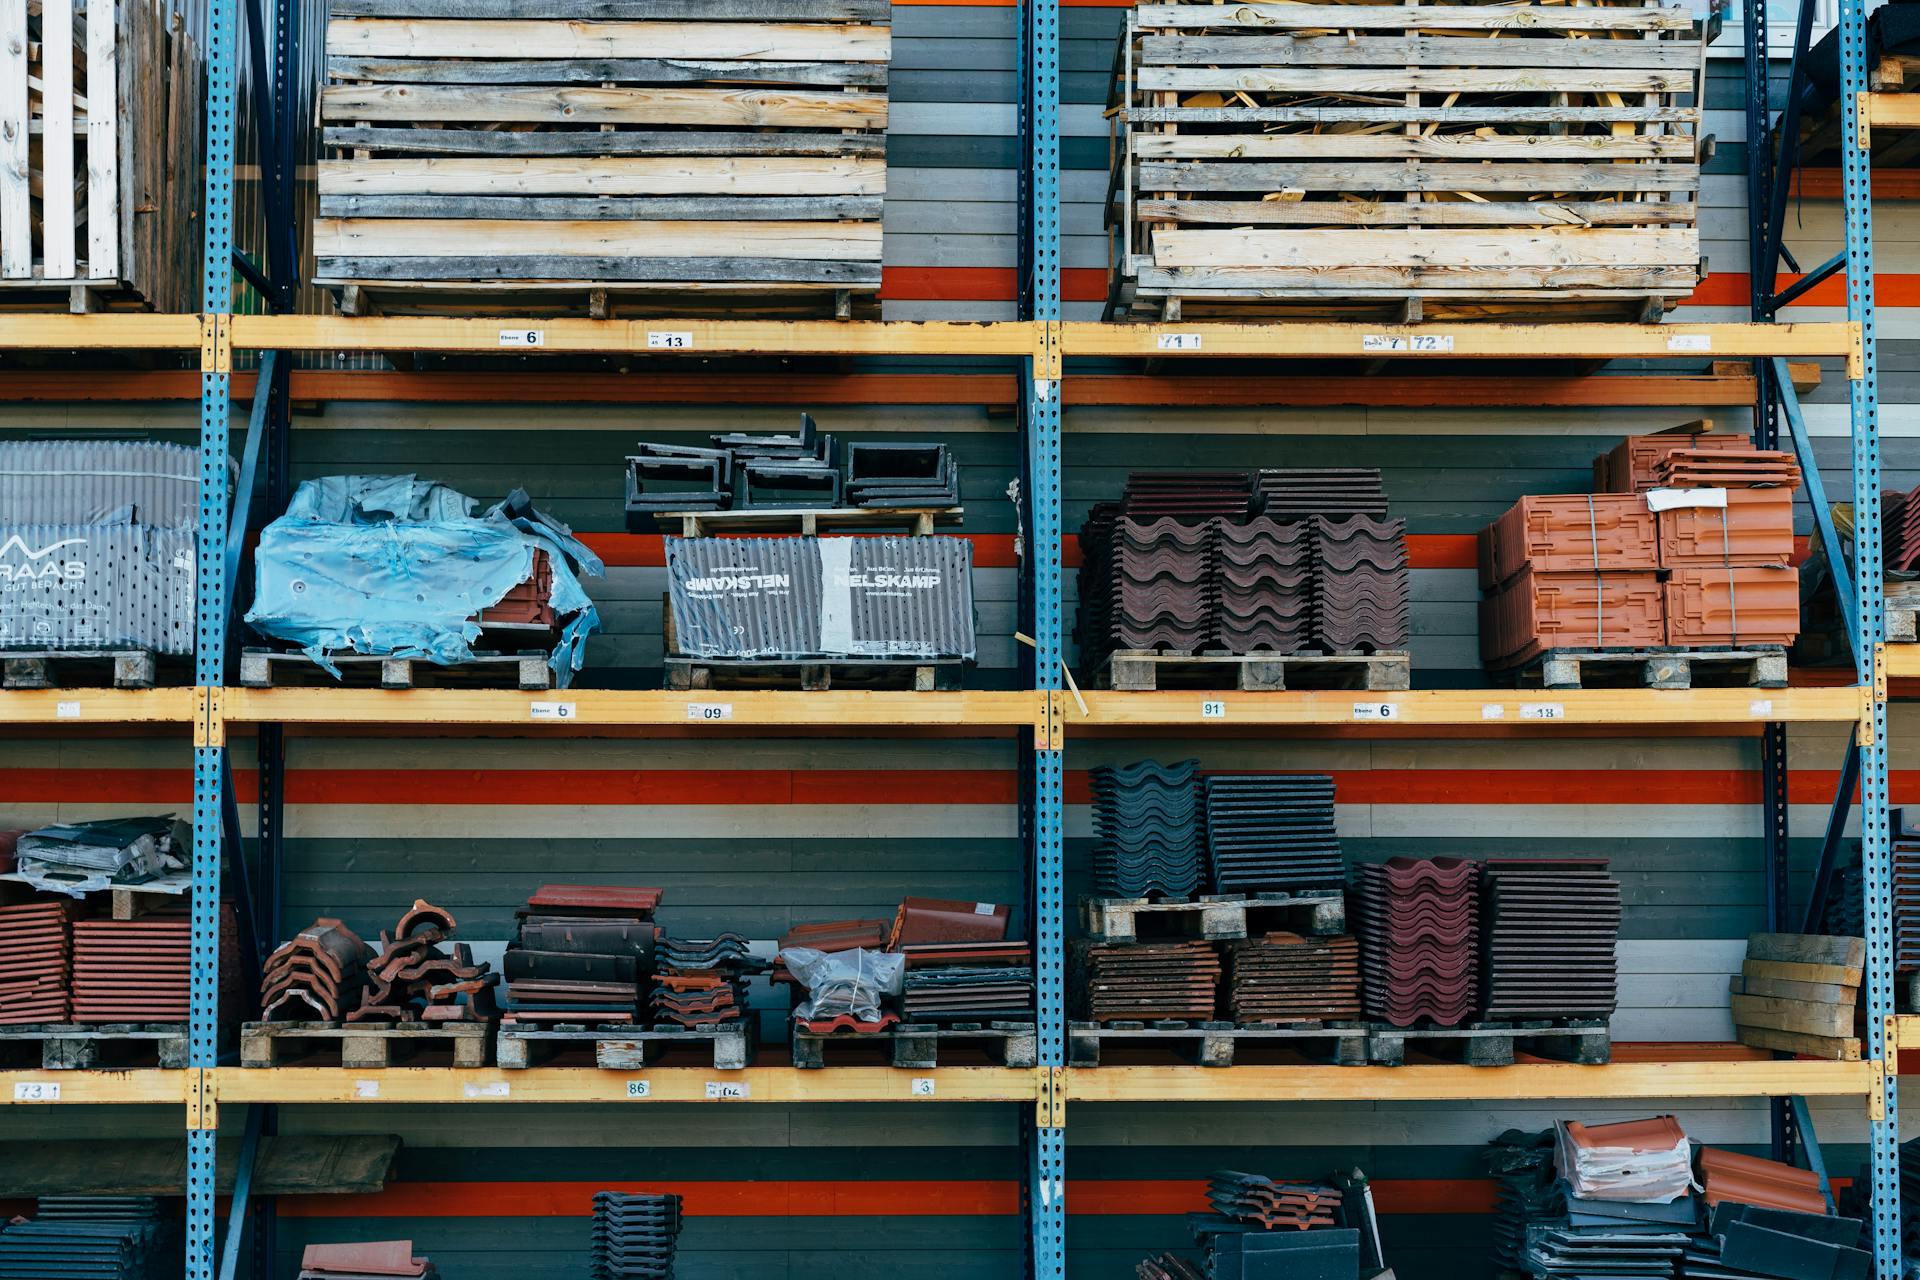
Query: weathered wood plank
[
  {"x": 1350, "y": 281},
  {"x": 1550, "y": 248},
  {"x": 434, "y": 238},
  {"x": 1792, "y": 971},
  {"x": 1800, "y": 1017},
  {"x": 1460, "y": 213},
  {"x": 56, "y": 143},
  {"x": 531, "y": 71},
  {"x": 613, "y": 176},
  {"x": 1393, "y": 51},
  {"x": 537, "y": 267},
  {"x": 1472, "y": 113},
  {"x": 1784, "y": 989},
  {"x": 605, "y": 208},
  {"x": 518, "y": 38},
  {"x": 1169, "y": 176},
  {"x": 1388, "y": 146},
  {"x": 103, "y": 145},
  {"x": 582, "y": 105},
  {"x": 1807, "y": 948},
  {"x": 485, "y": 142},
  {"x": 624, "y": 10},
  {"x": 16, "y": 199},
  {"x": 1588, "y": 79},
  {"x": 1359, "y": 17}
]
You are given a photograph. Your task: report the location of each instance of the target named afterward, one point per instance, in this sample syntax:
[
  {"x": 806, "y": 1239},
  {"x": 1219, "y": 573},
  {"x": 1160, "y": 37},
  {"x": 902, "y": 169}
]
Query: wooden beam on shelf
[
  {"x": 96, "y": 706},
  {"x": 108, "y": 331},
  {"x": 1461, "y": 341},
  {"x": 1890, "y": 110},
  {"x": 655, "y": 1084},
  {"x": 1902, "y": 661},
  {"x": 73, "y": 1088}
]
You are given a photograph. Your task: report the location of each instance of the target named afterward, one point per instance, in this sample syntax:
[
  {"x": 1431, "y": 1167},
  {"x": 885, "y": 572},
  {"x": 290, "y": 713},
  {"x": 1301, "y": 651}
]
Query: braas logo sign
[{"x": 37, "y": 564}]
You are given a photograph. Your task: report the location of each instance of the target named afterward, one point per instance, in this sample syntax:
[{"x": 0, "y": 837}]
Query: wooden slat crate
[
  {"x": 686, "y": 157},
  {"x": 100, "y": 121},
  {"x": 1406, "y": 161}
]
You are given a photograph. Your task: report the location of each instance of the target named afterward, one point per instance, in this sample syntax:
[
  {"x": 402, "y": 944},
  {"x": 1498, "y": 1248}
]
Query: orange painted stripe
[
  {"x": 699, "y": 1199},
  {"x": 982, "y": 284},
  {"x": 1890, "y": 289},
  {"x": 1888, "y": 184}
]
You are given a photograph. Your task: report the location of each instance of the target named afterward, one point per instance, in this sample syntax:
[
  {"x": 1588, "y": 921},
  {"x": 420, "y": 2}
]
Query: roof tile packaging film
[
  {"x": 796, "y": 598},
  {"x": 96, "y": 544}
]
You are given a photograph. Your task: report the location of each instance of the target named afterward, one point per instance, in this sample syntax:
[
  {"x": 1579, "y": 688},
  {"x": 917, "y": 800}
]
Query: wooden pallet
[
  {"x": 1214, "y": 916},
  {"x": 1756, "y": 667},
  {"x": 841, "y": 673},
  {"x": 1820, "y": 134},
  {"x": 913, "y": 521},
  {"x": 365, "y": 1044},
  {"x": 738, "y": 164},
  {"x": 89, "y": 668},
  {"x": 1495, "y": 1044},
  {"x": 917, "y": 1045},
  {"x": 1135, "y": 670},
  {"x": 265, "y": 669},
  {"x": 729, "y": 1046},
  {"x": 1213, "y": 1044},
  {"x": 78, "y": 1046},
  {"x": 100, "y": 163},
  {"x": 1395, "y": 164}
]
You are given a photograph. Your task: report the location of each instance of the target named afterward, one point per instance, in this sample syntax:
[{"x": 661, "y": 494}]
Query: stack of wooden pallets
[
  {"x": 1408, "y": 161},
  {"x": 651, "y": 156}
]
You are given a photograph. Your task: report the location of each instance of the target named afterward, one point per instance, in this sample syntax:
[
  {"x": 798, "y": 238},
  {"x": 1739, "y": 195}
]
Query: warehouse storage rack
[{"x": 1045, "y": 714}]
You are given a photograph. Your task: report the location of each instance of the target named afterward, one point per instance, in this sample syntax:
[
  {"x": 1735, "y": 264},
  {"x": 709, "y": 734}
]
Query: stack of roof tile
[
  {"x": 967, "y": 981},
  {"x": 36, "y": 961},
  {"x": 1262, "y": 586},
  {"x": 1249, "y": 1197},
  {"x": 1900, "y": 531},
  {"x": 1162, "y": 595},
  {"x": 1190, "y": 496},
  {"x": 315, "y": 976},
  {"x": 828, "y": 937},
  {"x": 634, "y": 1236},
  {"x": 1360, "y": 584},
  {"x": 1627, "y": 1251},
  {"x": 1727, "y": 469},
  {"x": 1147, "y": 823},
  {"x": 92, "y": 1238},
  {"x": 1281, "y": 978},
  {"x": 673, "y": 477},
  {"x": 900, "y": 473},
  {"x": 138, "y": 970},
  {"x": 780, "y": 471},
  {"x": 413, "y": 980},
  {"x": 1551, "y": 929},
  {"x": 1271, "y": 832},
  {"x": 921, "y": 920},
  {"x": 1906, "y": 895},
  {"x": 1729, "y": 1177},
  {"x": 1526, "y": 1191},
  {"x": 583, "y": 953},
  {"x": 1293, "y": 493},
  {"x": 1418, "y": 924},
  {"x": 701, "y": 982},
  {"x": 1147, "y": 981},
  {"x": 1629, "y": 467},
  {"x": 365, "y": 1260},
  {"x": 1745, "y": 1240}
]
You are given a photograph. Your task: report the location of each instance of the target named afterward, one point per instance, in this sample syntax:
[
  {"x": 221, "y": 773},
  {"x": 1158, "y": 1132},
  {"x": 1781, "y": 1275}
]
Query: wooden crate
[
  {"x": 99, "y": 157},
  {"x": 1404, "y": 162},
  {"x": 640, "y": 157}
]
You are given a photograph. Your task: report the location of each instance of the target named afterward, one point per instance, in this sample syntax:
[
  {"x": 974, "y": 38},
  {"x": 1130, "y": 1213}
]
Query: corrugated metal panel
[
  {"x": 96, "y": 586},
  {"x": 62, "y": 482}
]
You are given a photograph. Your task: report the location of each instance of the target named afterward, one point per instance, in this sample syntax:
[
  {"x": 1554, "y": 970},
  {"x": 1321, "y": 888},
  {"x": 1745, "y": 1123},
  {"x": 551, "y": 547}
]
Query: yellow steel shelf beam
[
  {"x": 1900, "y": 661},
  {"x": 107, "y": 331},
  {"x": 63, "y": 1088},
  {"x": 659, "y": 337},
  {"x": 1890, "y": 111},
  {"x": 1484, "y": 708},
  {"x": 96, "y": 706},
  {"x": 656, "y": 1084}
]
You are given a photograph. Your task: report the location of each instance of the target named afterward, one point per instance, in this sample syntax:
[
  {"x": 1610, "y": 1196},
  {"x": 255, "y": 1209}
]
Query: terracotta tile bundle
[
  {"x": 369, "y": 1260},
  {"x": 36, "y": 961},
  {"x": 1419, "y": 928},
  {"x": 701, "y": 982},
  {"x": 1582, "y": 533},
  {"x": 1337, "y": 492},
  {"x": 1147, "y": 981},
  {"x": 318, "y": 975},
  {"x": 1282, "y": 978},
  {"x": 1249, "y": 1197},
  {"x": 1630, "y": 466},
  {"x": 138, "y": 970},
  {"x": 1536, "y": 612},
  {"x": 1271, "y": 833},
  {"x": 1262, "y": 583},
  {"x": 413, "y": 980},
  {"x": 1736, "y": 605},
  {"x": 583, "y": 954},
  {"x": 1551, "y": 928},
  {"x": 1638, "y": 1161},
  {"x": 1147, "y": 823},
  {"x": 1726, "y": 469},
  {"x": 922, "y": 920},
  {"x": 968, "y": 981},
  {"x": 1360, "y": 584}
]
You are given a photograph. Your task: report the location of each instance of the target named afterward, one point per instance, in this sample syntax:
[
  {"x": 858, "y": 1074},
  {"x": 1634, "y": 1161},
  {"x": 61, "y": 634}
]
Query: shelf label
[
  {"x": 1428, "y": 342},
  {"x": 709, "y": 711},
  {"x": 36, "y": 1091},
  {"x": 639, "y": 1088},
  {"x": 729, "y": 1089},
  {"x": 1376, "y": 711},
  {"x": 552, "y": 711},
  {"x": 366, "y": 1088},
  {"x": 1493, "y": 711},
  {"x": 523, "y": 337},
  {"x": 1761, "y": 708},
  {"x": 1213, "y": 709},
  {"x": 1543, "y": 711},
  {"x": 492, "y": 1089},
  {"x": 923, "y": 1086},
  {"x": 1043, "y": 389},
  {"x": 1178, "y": 341},
  {"x": 66, "y": 710},
  {"x": 669, "y": 340},
  {"x": 1690, "y": 342}
]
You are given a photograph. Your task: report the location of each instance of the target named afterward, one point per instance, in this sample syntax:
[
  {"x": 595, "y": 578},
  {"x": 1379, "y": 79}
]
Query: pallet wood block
[
  {"x": 1214, "y": 1044},
  {"x": 1585, "y": 1043},
  {"x": 97, "y": 1046},
  {"x": 916, "y": 1046},
  {"x": 364, "y": 1044}
]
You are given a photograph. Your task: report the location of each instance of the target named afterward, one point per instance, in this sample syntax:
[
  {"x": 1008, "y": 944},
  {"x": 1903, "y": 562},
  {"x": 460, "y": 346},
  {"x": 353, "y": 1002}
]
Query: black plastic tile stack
[
  {"x": 1906, "y": 895},
  {"x": 675, "y": 477},
  {"x": 1292, "y": 493},
  {"x": 783, "y": 472},
  {"x": 634, "y": 1236},
  {"x": 1147, "y": 821},
  {"x": 1419, "y": 926},
  {"x": 1551, "y": 926},
  {"x": 1272, "y": 833},
  {"x": 92, "y": 1238},
  {"x": 901, "y": 473}
]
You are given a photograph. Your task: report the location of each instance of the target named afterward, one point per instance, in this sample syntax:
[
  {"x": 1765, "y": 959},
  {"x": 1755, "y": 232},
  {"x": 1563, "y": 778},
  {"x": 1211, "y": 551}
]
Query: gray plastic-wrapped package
[
  {"x": 844, "y": 983},
  {"x": 86, "y": 857}
]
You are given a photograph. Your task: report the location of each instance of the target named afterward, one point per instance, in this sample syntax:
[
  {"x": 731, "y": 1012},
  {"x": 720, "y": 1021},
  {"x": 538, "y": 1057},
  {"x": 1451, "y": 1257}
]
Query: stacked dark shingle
[
  {"x": 1162, "y": 594},
  {"x": 1262, "y": 586},
  {"x": 1282, "y": 978},
  {"x": 780, "y": 471},
  {"x": 1527, "y": 1190},
  {"x": 1906, "y": 896},
  {"x": 140, "y": 970},
  {"x": 1551, "y": 929},
  {"x": 1249, "y": 1197},
  {"x": 901, "y": 474},
  {"x": 36, "y": 962},
  {"x": 1272, "y": 833},
  {"x": 702, "y": 981},
  {"x": 1418, "y": 924},
  {"x": 1360, "y": 587},
  {"x": 1900, "y": 531},
  {"x": 92, "y": 1238},
  {"x": 1147, "y": 981},
  {"x": 583, "y": 954},
  {"x": 1298, "y": 492},
  {"x": 1192, "y": 496},
  {"x": 1146, "y": 818},
  {"x": 967, "y": 981},
  {"x": 634, "y": 1236}
]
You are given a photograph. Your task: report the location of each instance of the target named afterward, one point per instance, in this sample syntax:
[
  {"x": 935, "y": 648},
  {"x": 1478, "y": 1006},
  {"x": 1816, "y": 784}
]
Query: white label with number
[
  {"x": 1493, "y": 711},
  {"x": 66, "y": 710},
  {"x": 1690, "y": 342},
  {"x": 724, "y": 1089},
  {"x": 1376, "y": 711},
  {"x": 639, "y": 1088},
  {"x": 523, "y": 337},
  {"x": 1178, "y": 342},
  {"x": 552, "y": 710},
  {"x": 669, "y": 340},
  {"x": 923, "y": 1086},
  {"x": 1543, "y": 711},
  {"x": 709, "y": 711},
  {"x": 1761, "y": 708},
  {"x": 366, "y": 1088},
  {"x": 493, "y": 1089},
  {"x": 1213, "y": 710},
  {"x": 1407, "y": 342},
  {"x": 36, "y": 1091}
]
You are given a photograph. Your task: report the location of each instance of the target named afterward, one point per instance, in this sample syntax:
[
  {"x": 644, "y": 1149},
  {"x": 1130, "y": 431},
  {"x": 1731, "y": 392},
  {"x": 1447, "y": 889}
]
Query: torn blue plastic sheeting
[{"x": 401, "y": 567}]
